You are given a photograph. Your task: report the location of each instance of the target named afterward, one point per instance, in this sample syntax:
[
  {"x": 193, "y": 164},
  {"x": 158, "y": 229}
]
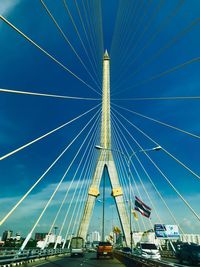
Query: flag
[
  {"x": 110, "y": 237},
  {"x": 116, "y": 230},
  {"x": 135, "y": 215},
  {"x": 142, "y": 208}
]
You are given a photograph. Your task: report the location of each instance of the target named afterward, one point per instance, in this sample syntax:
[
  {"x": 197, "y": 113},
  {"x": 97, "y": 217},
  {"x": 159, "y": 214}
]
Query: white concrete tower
[{"x": 105, "y": 160}]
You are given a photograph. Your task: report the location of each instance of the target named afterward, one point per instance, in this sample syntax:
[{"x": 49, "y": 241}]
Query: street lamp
[
  {"x": 103, "y": 215},
  {"x": 55, "y": 229},
  {"x": 128, "y": 161}
]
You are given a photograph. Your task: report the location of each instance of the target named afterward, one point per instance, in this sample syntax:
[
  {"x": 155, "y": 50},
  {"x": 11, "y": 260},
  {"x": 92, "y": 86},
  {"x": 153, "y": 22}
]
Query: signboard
[{"x": 166, "y": 231}]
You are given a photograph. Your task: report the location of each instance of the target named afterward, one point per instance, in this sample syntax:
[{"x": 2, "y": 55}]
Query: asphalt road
[{"x": 89, "y": 260}]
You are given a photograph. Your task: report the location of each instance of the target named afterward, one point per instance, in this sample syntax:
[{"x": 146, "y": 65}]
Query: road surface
[{"x": 89, "y": 260}]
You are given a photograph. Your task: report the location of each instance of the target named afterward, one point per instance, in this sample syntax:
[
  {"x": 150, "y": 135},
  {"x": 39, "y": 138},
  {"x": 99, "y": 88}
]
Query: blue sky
[{"x": 165, "y": 29}]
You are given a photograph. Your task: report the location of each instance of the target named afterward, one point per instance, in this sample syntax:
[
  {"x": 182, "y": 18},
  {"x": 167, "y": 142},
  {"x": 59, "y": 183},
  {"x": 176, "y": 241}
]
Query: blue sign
[{"x": 166, "y": 231}]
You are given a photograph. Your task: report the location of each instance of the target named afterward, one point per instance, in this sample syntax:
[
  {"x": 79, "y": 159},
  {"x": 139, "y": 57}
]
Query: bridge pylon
[{"x": 105, "y": 160}]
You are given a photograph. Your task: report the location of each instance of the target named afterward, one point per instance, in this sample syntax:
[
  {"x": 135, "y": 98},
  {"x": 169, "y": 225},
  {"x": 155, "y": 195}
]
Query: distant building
[
  {"x": 40, "y": 236},
  {"x": 17, "y": 237},
  {"x": 94, "y": 236},
  {"x": 51, "y": 238},
  {"x": 40, "y": 244},
  {"x": 190, "y": 238},
  {"x": 7, "y": 235}
]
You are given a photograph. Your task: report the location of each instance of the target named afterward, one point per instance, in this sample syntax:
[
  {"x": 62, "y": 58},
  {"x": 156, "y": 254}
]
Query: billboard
[{"x": 166, "y": 231}]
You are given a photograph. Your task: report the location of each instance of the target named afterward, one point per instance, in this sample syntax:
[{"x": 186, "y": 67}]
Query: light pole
[
  {"x": 103, "y": 202},
  {"x": 103, "y": 216},
  {"x": 103, "y": 210},
  {"x": 55, "y": 229},
  {"x": 112, "y": 223},
  {"x": 128, "y": 161}
]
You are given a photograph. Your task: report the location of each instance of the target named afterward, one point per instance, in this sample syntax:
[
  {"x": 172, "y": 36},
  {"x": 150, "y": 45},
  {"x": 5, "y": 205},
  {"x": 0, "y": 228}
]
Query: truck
[
  {"x": 104, "y": 249},
  {"x": 77, "y": 246}
]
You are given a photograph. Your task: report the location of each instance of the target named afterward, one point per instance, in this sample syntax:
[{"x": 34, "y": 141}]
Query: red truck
[{"x": 104, "y": 249}]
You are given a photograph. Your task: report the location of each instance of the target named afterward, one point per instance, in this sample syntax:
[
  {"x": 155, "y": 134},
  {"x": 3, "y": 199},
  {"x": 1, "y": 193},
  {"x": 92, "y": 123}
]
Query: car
[
  {"x": 126, "y": 250},
  {"x": 189, "y": 253},
  {"x": 147, "y": 251},
  {"x": 105, "y": 249}
]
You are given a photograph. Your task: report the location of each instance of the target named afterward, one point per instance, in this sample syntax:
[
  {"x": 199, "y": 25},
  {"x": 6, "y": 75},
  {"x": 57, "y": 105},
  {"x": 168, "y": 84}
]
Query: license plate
[{"x": 104, "y": 253}]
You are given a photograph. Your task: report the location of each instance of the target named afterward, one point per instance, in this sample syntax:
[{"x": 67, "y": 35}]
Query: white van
[
  {"x": 147, "y": 251},
  {"x": 77, "y": 246}
]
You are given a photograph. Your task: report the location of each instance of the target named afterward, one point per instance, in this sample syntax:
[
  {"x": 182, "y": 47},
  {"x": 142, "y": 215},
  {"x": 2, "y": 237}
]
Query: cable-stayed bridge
[{"x": 86, "y": 130}]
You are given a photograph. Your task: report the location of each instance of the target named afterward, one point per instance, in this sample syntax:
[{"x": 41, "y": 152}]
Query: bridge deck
[{"x": 87, "y": 261}]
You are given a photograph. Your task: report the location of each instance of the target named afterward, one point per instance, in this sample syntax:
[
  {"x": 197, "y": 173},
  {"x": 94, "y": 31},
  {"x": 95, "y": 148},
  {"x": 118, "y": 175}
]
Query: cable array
[
  {"x": 135, "y": 141},
  {"x": 161, "y": 172},
  {"x": 46, "y": 53},
  {"x": 139, "y": 26}
]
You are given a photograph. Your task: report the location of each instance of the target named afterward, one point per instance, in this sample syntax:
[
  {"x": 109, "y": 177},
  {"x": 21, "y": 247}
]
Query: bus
[{"x": 77, "y": 246}]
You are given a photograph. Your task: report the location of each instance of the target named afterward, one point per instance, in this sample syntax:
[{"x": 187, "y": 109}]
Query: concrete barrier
[{"x": 137, "y": 261}]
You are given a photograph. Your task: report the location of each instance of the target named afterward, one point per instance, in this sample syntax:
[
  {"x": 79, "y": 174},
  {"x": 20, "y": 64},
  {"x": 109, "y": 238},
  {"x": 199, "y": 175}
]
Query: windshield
[
  {"x": 148, "y": 246},
  {"x": 104, "y": 244},
  {"x": 126, "y": 249}
]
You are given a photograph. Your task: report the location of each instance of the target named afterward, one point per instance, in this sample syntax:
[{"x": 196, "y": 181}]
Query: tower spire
[
  {"x": 105, "y": 119},
  {"x": 106, "y": 56}
]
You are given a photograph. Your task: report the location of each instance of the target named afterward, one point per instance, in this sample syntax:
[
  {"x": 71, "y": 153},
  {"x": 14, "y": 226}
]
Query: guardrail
[
  {"x": 167, "y": 254},
  {"x": 138, "y": 261},
  {"x": 29, "y": 256}
]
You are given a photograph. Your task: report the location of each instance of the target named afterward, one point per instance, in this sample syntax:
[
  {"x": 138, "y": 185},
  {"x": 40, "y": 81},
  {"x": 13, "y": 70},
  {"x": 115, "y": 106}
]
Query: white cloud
[
  {"x": 7, "y": 6},
  {"x": 27, "y": 213},
  {"x": 33, "y": 204},
  {"x": 187, "y": 222}
]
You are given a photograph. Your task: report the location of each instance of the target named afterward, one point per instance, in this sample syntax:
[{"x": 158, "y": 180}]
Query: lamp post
[
  {"x": 112, "y": 223},
  {"x": 103, "y": 211},
  {"x": 128, "y": 161},
  {"x": 55, "y": 229},
  {"x": 103, "y": 216}
]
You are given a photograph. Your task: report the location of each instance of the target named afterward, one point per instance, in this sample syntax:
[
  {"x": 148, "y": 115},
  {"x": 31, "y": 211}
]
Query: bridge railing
[
  {"x": 29, "y": 255},
  {"x": 168, "y": 254}
]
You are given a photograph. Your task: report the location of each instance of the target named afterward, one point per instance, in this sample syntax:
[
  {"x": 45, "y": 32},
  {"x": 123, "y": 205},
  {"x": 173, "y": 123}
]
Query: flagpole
[{"x": 128, "y": 159}]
